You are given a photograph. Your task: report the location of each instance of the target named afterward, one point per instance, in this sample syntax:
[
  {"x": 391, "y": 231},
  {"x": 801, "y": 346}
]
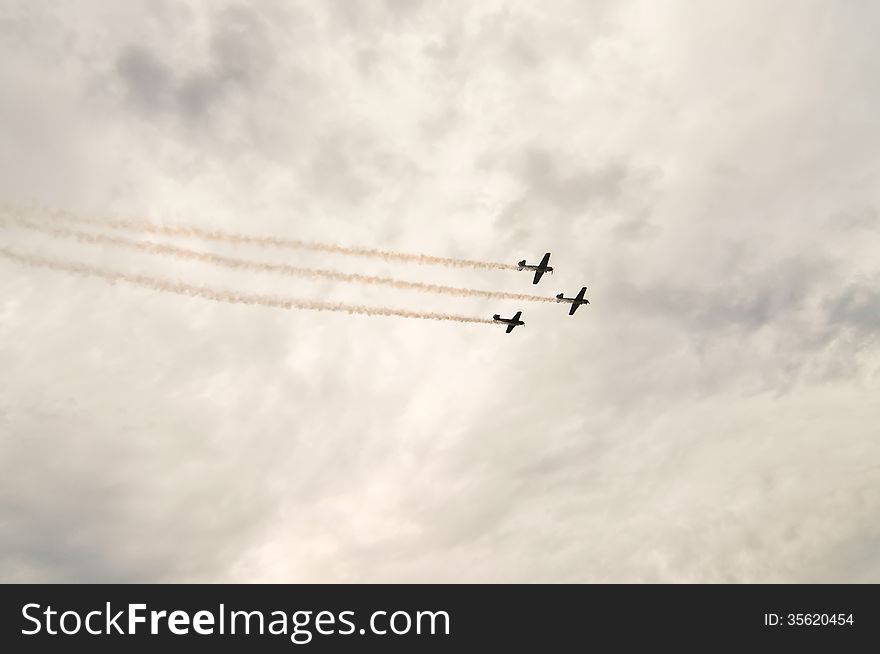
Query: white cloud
[{"x": 710, "y": 174}]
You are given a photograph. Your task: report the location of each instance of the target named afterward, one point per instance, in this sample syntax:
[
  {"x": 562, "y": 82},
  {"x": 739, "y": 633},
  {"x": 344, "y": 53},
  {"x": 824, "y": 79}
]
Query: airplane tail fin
[{"x": 496, "y": 317}]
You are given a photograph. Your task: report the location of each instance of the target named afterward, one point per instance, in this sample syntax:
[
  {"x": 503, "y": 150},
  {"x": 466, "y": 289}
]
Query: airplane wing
[
  {"x": 538, "y": 275},
  {"x": 516, "y": 316},
  {"x": 580, "y": 296},
  {"x": 574, "y": 307},
  {"x": 509, "y": 329}
]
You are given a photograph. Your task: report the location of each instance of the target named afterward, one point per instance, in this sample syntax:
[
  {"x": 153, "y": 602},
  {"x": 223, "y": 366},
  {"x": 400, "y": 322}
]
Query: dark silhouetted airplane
[
  {"x": 510, "y": 322},
  {"x": 540, "y": 269},
  {"x": 575, "y": 302}
]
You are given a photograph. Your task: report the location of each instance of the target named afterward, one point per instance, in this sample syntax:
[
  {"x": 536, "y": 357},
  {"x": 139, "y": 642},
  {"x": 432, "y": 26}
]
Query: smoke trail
[
  {"x": 190, "y": 231},
  {"x": 231, "y": 297},
  {"x": 284, "y": 269}
]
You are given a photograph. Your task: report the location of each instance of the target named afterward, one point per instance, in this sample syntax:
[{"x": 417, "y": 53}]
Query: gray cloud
[
  {"x": 148, "y": 82},
  {"x": 570, "y": 193},
  {"x": 239, "y": 53},
  {"x": 857, "y": 306}
]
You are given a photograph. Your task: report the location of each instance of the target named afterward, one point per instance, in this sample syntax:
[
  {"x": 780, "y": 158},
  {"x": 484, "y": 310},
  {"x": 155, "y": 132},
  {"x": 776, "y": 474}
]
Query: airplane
[
  {"x": 575, "y": 301},
  {"x": 540, "y": 269},
  {"x": 510, "y": 322}
]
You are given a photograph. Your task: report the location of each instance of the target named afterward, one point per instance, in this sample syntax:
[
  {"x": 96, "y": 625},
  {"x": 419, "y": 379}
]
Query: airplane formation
[
  {"x": 539, "y": 270},
  {"x": 86, "y": 236}
]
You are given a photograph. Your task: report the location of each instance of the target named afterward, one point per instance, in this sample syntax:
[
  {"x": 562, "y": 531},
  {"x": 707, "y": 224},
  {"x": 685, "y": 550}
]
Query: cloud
[
  {"x": 709, "y": 417},
  {"x": 864, "y": 217},
  {"x": 857, "y": 307}
]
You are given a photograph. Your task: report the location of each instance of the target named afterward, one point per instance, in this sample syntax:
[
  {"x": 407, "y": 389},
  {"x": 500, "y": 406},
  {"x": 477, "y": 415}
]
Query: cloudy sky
[{"x": 709, "y": 170}]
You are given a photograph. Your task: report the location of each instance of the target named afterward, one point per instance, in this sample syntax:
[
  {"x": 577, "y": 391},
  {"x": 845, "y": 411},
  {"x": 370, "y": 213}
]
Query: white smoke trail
[
  {"x": 190, "y": 231},
  {"x": 220, "y": 295},
  {"x": 284, "y": 269}
]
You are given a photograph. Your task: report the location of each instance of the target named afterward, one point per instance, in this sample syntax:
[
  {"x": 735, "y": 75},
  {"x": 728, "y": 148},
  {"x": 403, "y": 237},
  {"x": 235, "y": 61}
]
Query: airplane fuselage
[
  {"x": 526, "y": 266},
  {"x": 571, "y": 300},
  {"x": 507, "y": 321}
]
